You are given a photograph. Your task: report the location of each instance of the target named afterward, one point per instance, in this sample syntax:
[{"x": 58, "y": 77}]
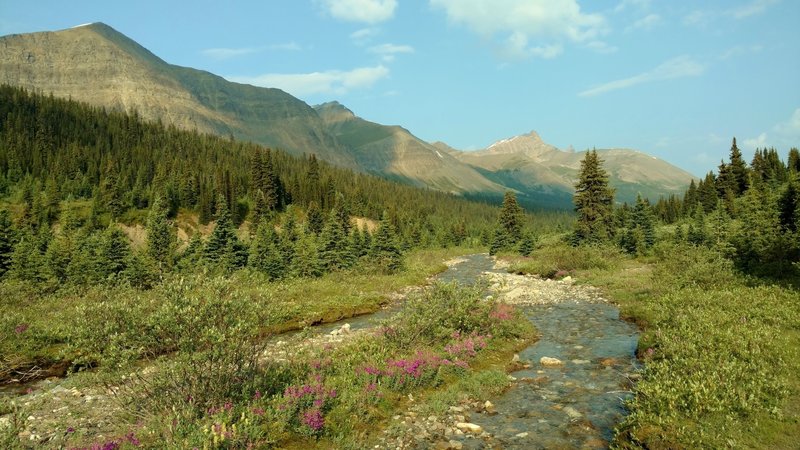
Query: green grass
[
  {"x": 74, "y": 325},
  {"x": 721, "y": 350}
]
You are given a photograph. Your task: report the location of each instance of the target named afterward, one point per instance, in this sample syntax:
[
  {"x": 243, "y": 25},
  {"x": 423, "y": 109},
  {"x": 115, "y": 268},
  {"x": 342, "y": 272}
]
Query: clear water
[{"x": 575, "y": 405}]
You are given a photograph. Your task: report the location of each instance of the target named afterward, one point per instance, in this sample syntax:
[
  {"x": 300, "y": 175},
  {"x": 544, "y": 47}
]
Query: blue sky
[{"x": 676, "y": 79}]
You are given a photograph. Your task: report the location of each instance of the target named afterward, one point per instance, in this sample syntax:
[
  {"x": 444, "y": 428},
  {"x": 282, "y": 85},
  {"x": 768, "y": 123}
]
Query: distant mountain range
[{"x": 96, "y": 64}]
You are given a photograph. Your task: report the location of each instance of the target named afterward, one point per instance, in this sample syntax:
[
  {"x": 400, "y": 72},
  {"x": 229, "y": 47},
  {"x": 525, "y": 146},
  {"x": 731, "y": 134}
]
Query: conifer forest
[{"x": 164, "y": 288}]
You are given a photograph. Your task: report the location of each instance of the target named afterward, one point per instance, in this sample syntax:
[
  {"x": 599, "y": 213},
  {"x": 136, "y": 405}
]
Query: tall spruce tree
[
  {"x": 511, "y": 218},
  {"x": 385, "y": 251},
  {"x": 738, "y": 171},
  {"x": 161, "y": 235},
  {"x": 594, "y": 201}
]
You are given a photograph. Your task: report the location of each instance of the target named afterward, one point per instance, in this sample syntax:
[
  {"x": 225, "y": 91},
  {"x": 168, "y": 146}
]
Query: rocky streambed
[
  {"x": 568, "y": 389},
  {"x": 567, "y": 392}
]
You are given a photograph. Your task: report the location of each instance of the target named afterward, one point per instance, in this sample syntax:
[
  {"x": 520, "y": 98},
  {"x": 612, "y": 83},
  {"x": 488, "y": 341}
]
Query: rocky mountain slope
[
  {"x": 97, "y": 64},
  {"x": 541, "y": 171},
  {"x": 394, "y": 152}
]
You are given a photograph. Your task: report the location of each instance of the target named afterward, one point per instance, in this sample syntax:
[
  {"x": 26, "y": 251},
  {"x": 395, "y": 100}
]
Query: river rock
[
  {"x": 550, "y": 362},
  {"x": 449, "y": 445},
  {"x": 489, "y": 408},
  {"x": 468, "y": 427},
  {"x": 345, "y": 328},
  {"x": 572, "y": 412},
  {"x": 521, "y": 435}
]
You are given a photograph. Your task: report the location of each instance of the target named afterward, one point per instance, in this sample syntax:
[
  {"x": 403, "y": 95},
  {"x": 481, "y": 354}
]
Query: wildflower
[
  {"x": 132, "y": 439},
  {"x": 313, "y": 419},
  {"x": 21, "y": 328},
  {"x": 70, "y": 430},
  {"x": 258, "y": 411},
  {"x": 257, "y": 395}
]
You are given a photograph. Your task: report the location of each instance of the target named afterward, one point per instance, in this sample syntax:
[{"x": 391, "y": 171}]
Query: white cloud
[
  {"x": 757, "y": 142},
  {"x": 388, "y": 51},
  {"x": 740, "y": 50},
  {"x": 790, "y": 127},
  {"x": 328, "y": 82},
  {"x": 526, "y": 27},
  {"x": 228, "y": 53},
  {"x": 367, "y": 11},
  {"x": 646, "y": 23},
  {"x": 752, "y": 8},
  {"x": 682, "y": 66},
  {"x": 783, "y": 134},
  {"x": 363, "y": 35}
]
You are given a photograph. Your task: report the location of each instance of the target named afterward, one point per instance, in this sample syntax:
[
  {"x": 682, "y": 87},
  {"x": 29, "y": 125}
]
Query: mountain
[
  {"x": 97, "y": 64},
  {"x": 543, "y": 174},
  {"x": 394, "y": 152}
]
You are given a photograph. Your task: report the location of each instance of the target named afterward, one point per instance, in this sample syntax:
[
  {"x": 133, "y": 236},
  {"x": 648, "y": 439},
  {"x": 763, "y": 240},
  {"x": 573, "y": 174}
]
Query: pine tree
[
  {"x": 643, "y": 222},
  {"x": 223, "y": 247},
  {"x": 594, "y": 201},
  {"x": 793, "y": 162},
  {"x": 115, "y": 250},
  {"x": 161, "y": 236},
  {"x": 385, "y": 249},
  {"x": 690, "y": 199},
  {"x": 707, "y": 193},
  {"x": 527, "y": 244},
  {"x": 315, "y": 220},
  {"x": 789, "y": 206},
  {"x": 193, "y": 253},
  {"x": 511, "y": 217},
  {"x": 6, "y": 241},
  {"x": 306, "y": 262},
  {"x": 333, "y": 248},
  {"x": 738, "y": 171}
]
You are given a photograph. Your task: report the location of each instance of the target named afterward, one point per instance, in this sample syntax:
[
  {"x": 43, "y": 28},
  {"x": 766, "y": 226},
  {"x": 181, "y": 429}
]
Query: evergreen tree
[
  {"x": 789, "y": 206},
  {"x": 333, "y": 244},
  {"x": 115, "y": 251},
  {"x": 594, "y": 201},
  {"x": 385, "y": 250},
  {"x": 707, "y": 193},
  {"x": 192, "y": 255},
  {"x": 527, "y": 244},
  {"x": 793, "y": 162},
  {"x": 499, "y": 241},
  {"x": 511, "y": 218},
  {"x": 642, "y": 218},
  {"x": 306, "y": 262},
  {"x": 738, "y": 171},
  {"x": 161, "y": 236},
  {"x": 690, "y": 199},
  {"x": 315, "y": 220},
  {"x": 28, "y": 261},
  {"x": 6, "y": 241},
  {"x": 223, "y": 247}
]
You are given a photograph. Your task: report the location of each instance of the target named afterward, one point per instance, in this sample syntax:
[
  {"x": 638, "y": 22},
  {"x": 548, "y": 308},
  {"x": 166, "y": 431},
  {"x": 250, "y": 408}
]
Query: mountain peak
[
  {"x": 332, "y": 112},
  {"x": 530, "y": 144}
]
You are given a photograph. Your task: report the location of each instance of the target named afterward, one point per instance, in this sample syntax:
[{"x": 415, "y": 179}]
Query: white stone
[
  {"x": 550, "y": 362},
  {"x": 522, "y": 435},
  {"x": 469, "y": 427}
]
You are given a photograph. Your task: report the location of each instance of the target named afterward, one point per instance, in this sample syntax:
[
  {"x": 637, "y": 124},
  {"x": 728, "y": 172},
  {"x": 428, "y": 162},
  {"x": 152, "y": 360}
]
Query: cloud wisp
[
  {"x": 526, "y": 28},
  {"x": 387, "y": 52},
  {"x": 366, "y": 11},
  {"x": 785, "y": 133},
  {"x": 327, "y": 82},
  {"x": 682, "y": 66},
  {"x": 229, "y": 53}
]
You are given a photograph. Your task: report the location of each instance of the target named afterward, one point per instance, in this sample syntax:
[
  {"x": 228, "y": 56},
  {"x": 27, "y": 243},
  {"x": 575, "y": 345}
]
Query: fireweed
[{"x": 306, "y": 405}]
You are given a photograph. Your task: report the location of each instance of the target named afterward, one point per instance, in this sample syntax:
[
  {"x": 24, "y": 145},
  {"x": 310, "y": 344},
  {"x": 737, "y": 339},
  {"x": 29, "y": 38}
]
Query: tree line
[
  {"x": 749, "y": 213},
  {"x": 71, "y": 173}
]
